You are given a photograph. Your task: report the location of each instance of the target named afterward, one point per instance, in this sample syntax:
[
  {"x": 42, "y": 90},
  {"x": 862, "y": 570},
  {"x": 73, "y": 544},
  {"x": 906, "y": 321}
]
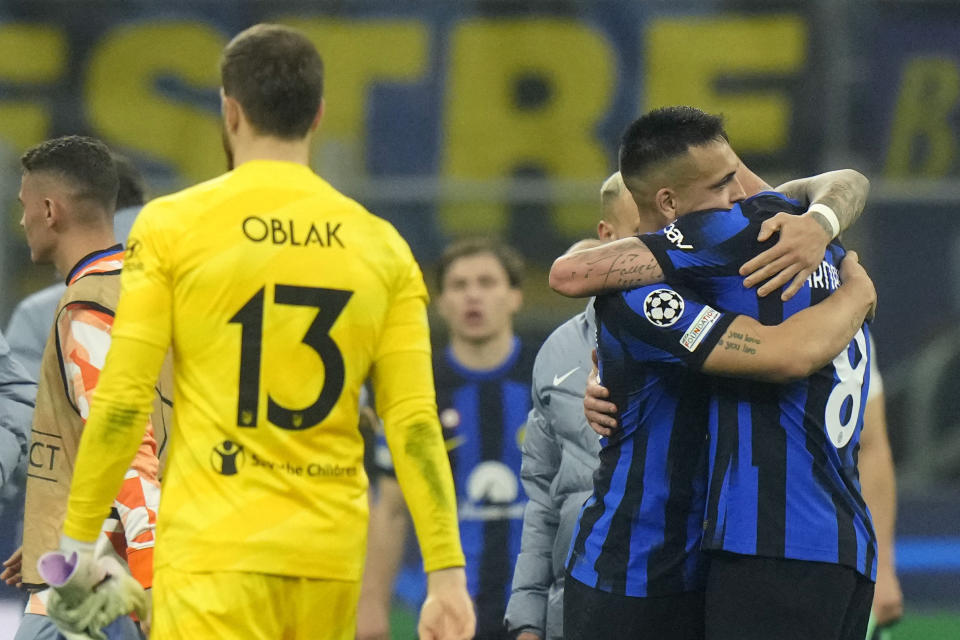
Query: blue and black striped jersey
[
  {"x": 783, "y": 458},
  {"x": 639, "y": 533},
  {"x": 482, "y": 414}
]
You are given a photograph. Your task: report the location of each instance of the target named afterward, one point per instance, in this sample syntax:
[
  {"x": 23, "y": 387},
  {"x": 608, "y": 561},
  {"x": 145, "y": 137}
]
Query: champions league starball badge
[{"x": 663, "y": 307}]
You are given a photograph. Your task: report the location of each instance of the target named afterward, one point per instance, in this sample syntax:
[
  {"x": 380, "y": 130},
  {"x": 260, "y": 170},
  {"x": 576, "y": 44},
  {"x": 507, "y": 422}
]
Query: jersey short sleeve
[{"x": 661, "y": 324}]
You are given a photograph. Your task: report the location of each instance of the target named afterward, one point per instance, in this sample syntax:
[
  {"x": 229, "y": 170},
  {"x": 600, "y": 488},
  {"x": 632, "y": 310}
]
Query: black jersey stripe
[
  {"x": 769, "y": 442},
  {"x": 495, "y": 561},
  {"x": 726, "y": 449},
  {"x": 614, "y": 556},
  {"x": 686, "y": 456}
]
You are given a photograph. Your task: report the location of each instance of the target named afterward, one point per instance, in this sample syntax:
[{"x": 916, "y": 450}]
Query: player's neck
[
  {"x": 651, "y": 220},
  {"x": 270, "y": 148},
  {"x": 79, "y": 245},
  {"x": 483, "y": 355}
]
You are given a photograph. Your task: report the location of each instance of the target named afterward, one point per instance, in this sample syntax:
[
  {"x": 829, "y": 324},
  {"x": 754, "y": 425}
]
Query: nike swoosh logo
[{"x": 558, "y": 380}]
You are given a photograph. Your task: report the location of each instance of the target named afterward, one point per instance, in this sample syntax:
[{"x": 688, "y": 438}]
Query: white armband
[{"x": 829, "y": 215}]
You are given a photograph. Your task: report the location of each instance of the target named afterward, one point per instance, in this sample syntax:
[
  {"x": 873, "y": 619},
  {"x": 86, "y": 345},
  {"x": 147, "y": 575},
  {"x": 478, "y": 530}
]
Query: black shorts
[
  {"x": 752, "y": 598},
  {"x": 591, "y": 614}
]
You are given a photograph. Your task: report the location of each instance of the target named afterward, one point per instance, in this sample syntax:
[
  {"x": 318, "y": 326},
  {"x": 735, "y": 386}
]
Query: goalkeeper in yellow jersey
[{"x": 279, "y": 297}]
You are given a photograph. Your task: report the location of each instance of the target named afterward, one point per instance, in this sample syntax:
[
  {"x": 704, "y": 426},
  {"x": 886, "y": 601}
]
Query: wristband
[{"x": 828, "y": 215}]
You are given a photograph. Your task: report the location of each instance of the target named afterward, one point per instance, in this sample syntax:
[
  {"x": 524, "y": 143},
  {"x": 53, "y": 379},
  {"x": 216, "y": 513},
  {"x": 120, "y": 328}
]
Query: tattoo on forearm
[
  {"x": 628, "y": 270},
  {"x": 823, "y": 222},
  {"x": 744, "y": 343},
  {"x": 846, "y": 201},
  {"x": 425, "y": 448}
]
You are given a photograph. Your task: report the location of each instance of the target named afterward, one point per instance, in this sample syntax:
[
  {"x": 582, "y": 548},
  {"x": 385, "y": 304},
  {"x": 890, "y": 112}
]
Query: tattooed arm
[
  {"x": 803, "y": 239},
  {"x": 623, "y": 264},
  {"x": 844, "y": 191},
  {"x": 801, "y": 344},
  {"x": 794, "y": 349}
]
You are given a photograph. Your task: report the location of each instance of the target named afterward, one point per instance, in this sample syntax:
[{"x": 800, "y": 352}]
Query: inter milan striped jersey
[
  {"x": 783, "y": 458},
  {"x": 482, "y": 414},
  {"x": 639, "y": 533}
]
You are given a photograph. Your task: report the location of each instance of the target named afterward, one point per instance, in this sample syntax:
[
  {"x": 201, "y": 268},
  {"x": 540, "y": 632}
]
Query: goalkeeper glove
[{"x": 88, "y": 592}]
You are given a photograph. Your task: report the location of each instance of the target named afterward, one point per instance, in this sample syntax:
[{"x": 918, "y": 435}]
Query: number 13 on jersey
[{"x": 329, "y": 303}]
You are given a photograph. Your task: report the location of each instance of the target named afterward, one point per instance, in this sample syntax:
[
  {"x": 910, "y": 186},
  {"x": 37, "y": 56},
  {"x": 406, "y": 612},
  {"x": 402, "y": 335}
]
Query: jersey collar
[
  {"x": 100, "y": 261},
  {"x": 484, "y": 374}
]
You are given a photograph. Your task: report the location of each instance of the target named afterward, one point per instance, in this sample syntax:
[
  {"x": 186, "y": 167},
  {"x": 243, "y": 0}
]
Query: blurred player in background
[
  {"x": 17, "y": 394},
  {"x": 279, "y": 296},
  {"x": 483, "y": 380},
  {"x": 18, "y": 390},
  {"x": 879, "y": 485},
  {"x": 68, "y": 192},
  {"x": 30, "y": 322}
]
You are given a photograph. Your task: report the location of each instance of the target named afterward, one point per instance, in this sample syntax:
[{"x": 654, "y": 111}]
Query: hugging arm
[
  {"x": 794, "y": 349},
  {"x": 615, "y": 266},
  {"x": 835, "y": 199}
]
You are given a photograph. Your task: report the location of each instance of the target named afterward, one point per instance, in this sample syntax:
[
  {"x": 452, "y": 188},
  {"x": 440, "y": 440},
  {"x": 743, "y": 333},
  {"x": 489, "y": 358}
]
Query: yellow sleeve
[
  {"x": 406, "y": 401},
  {"x": 123, "y": 397}
]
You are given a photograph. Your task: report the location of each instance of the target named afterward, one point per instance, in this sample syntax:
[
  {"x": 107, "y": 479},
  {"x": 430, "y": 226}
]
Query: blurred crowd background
[{"x": 494, "y": 117}]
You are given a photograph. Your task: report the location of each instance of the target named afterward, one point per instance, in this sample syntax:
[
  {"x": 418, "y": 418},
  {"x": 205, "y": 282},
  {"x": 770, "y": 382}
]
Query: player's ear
[
  {"x": 231, "y": 112},
  {"x": 52, "y": 212},
  {"x": 665, "y": 201},
  {"x": 319, "y": 116},
  {"x": 605, "y": 231}
]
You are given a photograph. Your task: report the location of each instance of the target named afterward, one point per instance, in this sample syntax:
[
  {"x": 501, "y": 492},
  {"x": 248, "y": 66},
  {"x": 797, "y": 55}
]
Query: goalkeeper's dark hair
[
  {"x": 507, "y": 256},
  {"x": 276, "y": 74},
  {"x": 664, "y": 134},
  {"x": 86, "y": 164}
]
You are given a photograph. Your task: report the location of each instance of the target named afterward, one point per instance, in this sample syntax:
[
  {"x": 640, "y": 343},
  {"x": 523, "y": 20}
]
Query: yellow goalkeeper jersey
[{"x": 280, "y": 296}]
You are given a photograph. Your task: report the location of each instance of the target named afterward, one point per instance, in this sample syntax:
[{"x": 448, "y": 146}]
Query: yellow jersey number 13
[{"x": 329, "y": 303}]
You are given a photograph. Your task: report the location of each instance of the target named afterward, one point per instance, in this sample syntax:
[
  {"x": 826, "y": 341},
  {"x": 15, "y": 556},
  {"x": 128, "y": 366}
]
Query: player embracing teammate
[{"x": 783, "y": 542}]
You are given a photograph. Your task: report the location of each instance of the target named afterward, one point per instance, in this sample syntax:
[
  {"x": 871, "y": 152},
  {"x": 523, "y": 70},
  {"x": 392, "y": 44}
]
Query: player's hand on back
[
  {"x": 598, "y": 410},
  {"x": 447, "y": 613},
  {"x": 852, "y": 272},
  {"x": 796, "y": 255}
]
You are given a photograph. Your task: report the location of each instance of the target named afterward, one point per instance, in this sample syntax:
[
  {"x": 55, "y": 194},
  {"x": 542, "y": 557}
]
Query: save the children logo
[{"x": 227, "y": 458}]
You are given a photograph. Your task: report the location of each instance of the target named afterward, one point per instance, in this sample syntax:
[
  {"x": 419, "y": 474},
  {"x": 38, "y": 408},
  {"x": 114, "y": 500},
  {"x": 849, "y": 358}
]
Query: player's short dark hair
[
  {"x": 276, "y": 74},
  {"x": 664, "y": 134},
  {"x": 132, "y": 187},
  {"x": 84, "y": 162},
  {"x": 507, "y": 256}
]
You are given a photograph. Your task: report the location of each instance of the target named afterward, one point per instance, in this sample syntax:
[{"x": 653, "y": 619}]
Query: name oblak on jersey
[{"x": 278, "y": 231}]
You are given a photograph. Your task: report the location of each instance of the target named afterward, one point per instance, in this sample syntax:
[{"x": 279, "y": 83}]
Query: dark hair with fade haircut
[
  {"x": 132, "y": 190},
  {"x": 276, "y": 74},
  {"x": 664, "y": 134},
  {"x": 507, "y": 256},
  {"x": 85, "y": 162}
]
